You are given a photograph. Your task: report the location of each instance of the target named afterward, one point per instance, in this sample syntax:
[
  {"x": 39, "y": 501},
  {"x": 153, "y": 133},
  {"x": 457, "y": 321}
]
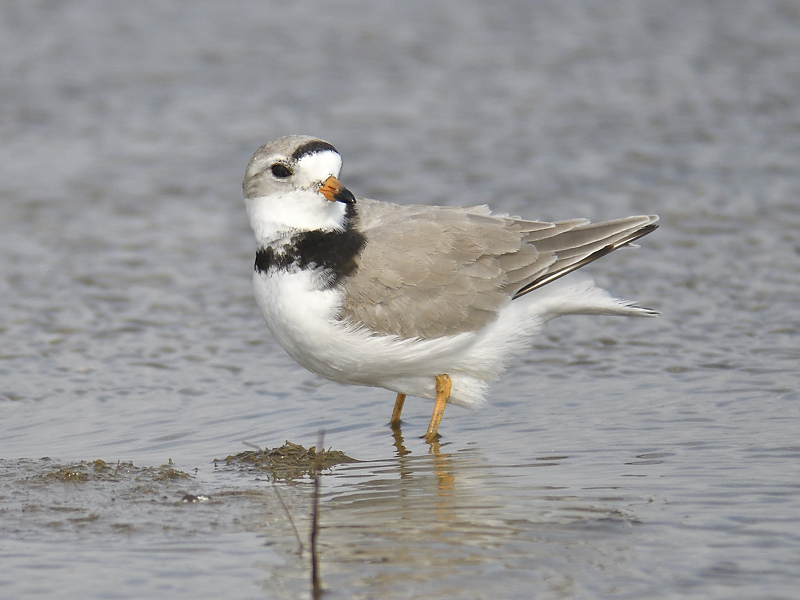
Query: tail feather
[{"x": 578, "y": 295}]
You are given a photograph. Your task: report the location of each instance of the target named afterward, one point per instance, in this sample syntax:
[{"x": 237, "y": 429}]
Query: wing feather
[{"x": 434, "y": 271}]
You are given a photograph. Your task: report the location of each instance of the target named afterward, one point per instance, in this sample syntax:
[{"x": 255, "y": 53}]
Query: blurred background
[{"x": 129, "y": 331}]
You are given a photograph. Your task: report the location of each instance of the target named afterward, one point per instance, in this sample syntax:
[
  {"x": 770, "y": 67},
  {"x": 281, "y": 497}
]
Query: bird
[{"x": 425, "y": 301}]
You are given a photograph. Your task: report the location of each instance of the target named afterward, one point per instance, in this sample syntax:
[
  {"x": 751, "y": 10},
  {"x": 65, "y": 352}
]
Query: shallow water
[{"x": 623, "y": 458}]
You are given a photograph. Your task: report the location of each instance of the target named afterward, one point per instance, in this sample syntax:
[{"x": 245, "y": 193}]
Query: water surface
[{"x": 621, "y": 459}]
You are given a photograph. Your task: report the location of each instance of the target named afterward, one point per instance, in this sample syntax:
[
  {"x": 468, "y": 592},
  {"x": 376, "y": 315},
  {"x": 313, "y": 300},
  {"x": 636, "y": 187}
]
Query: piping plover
[{"x": 429, "y": 301}]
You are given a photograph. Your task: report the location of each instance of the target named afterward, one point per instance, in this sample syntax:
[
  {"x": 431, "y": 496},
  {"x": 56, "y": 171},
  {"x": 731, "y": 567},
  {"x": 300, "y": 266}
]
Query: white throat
[{"x": 279, "y": 215}]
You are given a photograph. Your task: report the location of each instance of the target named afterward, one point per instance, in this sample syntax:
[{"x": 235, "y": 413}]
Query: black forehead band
[{"x": 311, "y": 148}]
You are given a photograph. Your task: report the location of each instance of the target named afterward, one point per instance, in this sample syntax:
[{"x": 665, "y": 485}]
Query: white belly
[{"x": 302, "y": 317}]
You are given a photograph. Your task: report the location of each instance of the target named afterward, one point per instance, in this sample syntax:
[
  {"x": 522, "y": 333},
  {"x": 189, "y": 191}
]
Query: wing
[
  {"x": 434, "y": 271},
  {"x": 574, "y": 247}
]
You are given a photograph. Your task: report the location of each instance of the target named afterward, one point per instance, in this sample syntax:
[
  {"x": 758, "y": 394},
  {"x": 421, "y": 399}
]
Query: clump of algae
[
  {"x": 99, "y": 470},
  {"x": 287, "y": 462}
]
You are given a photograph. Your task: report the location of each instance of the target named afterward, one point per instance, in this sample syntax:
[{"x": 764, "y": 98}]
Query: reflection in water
[
  {"x": 442, "y": 463},
  {"x": 399, "y": 443},
  {"x": 452, "y": 522}
]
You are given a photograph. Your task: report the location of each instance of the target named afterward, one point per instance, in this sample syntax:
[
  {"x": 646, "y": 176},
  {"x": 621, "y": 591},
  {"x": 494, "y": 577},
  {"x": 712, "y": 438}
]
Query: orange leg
[
  {"x": 398, "y": 408},
  {"x": 443, "y": 387}
]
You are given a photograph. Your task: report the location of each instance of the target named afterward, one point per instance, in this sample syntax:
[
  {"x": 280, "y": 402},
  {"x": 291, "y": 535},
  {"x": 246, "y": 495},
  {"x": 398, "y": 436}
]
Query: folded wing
[{"x": 435, "y": 271}]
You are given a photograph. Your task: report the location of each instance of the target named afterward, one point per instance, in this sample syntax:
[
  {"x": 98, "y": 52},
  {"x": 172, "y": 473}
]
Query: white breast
[{"x": 300, "y": 314}]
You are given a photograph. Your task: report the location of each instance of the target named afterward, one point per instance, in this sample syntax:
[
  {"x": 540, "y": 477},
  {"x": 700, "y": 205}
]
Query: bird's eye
[{"x": 280, "y": 171}]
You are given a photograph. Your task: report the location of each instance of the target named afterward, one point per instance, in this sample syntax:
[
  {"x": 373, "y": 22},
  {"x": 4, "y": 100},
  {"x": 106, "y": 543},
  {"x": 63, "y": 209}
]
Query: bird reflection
[
  {"x": 399, "y": 443},
  {"x": 442, "y": 462}
]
